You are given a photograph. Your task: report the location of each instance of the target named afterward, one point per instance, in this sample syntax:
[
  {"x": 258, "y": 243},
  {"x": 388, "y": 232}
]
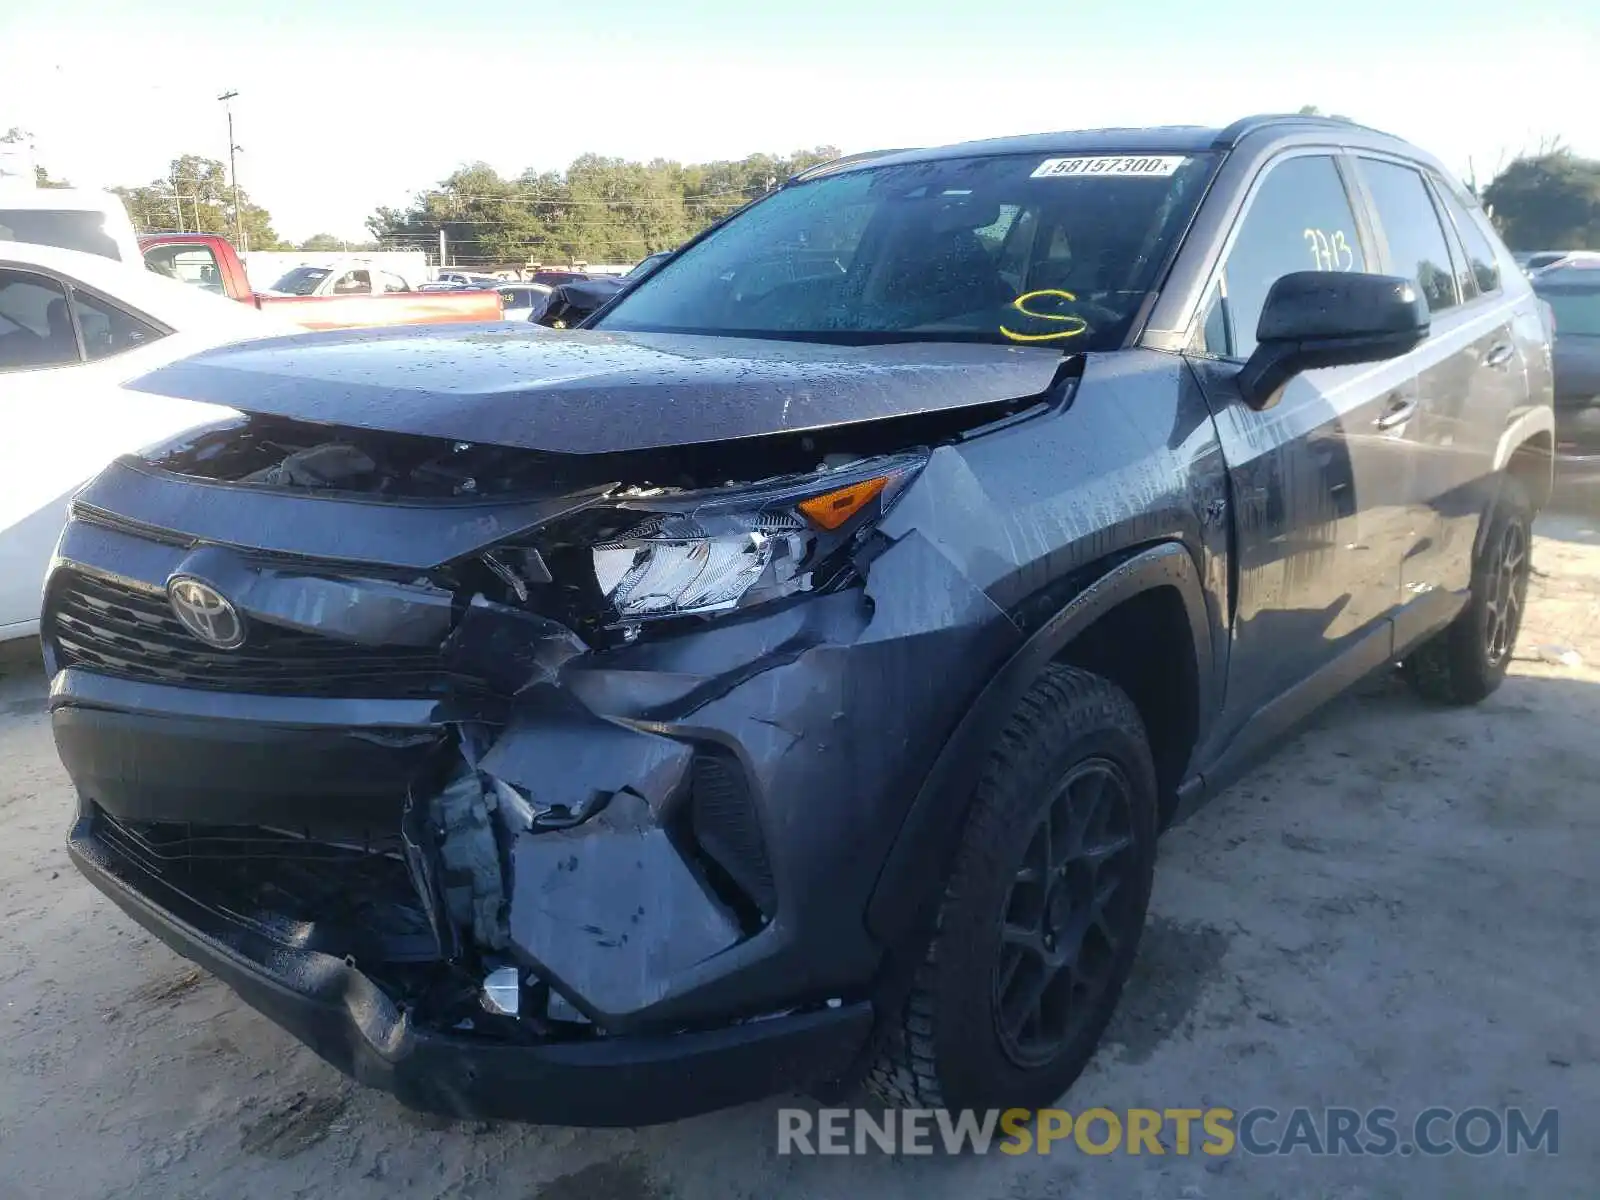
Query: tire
[
  {"x": 1467, "y": 660},
  {"x": 958, "y": 1042}
]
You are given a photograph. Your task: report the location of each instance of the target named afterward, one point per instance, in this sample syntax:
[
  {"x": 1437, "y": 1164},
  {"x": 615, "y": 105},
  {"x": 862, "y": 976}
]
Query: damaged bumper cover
[
  {"x": 673, "y": 841},
  {"x": 350, "y": 1022}
]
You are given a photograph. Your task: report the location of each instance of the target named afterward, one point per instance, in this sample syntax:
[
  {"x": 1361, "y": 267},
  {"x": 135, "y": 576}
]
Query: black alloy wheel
[{"x": 1063, "y": 922}]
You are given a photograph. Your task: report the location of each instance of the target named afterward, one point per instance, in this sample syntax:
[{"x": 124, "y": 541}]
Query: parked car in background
[
  {"x": 467, "y": 279},
  {"x": 1543, "y": 260},
  {"x": 569, "y": 304},
  {"x": 554, "y": 278},
  {"x": 342, "y": 294},
  {"x": 73, "y": 328},
  {"x": 518, "y": 301},
  {"x": 342, "y": 277},
  {"x": 785, "y": 678},
  {"x": 1572, "y": 290},
  {"x": 81, "y": 219}
]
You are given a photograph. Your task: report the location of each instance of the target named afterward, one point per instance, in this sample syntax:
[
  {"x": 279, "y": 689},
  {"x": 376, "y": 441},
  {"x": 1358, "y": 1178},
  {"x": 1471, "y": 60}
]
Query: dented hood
[{"x": 592, "y": 392}]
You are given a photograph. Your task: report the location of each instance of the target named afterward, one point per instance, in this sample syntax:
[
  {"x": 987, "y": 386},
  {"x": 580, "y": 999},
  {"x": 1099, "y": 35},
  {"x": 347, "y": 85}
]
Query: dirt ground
[{"x": 1400, "y": 909}]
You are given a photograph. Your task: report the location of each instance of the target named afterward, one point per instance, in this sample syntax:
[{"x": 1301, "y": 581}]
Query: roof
[
  {"x": 1151, "y": 139},
  {"x": 58, "y": 199}
]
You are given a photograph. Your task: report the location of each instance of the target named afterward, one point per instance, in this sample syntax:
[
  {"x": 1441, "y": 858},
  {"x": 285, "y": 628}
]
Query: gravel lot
[{"x": 1400, "y": 909}]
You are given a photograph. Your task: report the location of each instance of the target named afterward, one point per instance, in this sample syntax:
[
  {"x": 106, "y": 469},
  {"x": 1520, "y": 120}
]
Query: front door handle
[
  {"x": 1400, "y": 410},
  {"x": 1500, "y": 356}
]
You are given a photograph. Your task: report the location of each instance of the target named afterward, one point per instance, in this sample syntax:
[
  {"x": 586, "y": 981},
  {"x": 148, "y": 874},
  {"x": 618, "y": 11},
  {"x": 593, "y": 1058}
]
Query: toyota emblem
[{"x": 206, "y": 612}]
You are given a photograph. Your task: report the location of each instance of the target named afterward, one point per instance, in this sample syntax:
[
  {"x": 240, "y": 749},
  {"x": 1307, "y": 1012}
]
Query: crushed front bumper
[
  {"x": 351, "y": 1022},
  {"x": 737, "y": 789}
]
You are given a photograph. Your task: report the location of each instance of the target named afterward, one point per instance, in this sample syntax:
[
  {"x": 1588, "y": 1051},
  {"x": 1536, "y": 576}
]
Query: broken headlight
[{"x": 710, "y": 552}]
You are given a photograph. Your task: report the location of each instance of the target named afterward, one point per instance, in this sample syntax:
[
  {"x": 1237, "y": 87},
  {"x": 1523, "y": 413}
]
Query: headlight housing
[{"x": 712, "y": 552}]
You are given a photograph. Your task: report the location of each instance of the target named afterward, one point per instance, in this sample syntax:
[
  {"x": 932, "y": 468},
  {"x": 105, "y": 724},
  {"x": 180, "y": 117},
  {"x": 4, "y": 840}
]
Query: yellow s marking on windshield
[{"x": 1079, "y": 325}]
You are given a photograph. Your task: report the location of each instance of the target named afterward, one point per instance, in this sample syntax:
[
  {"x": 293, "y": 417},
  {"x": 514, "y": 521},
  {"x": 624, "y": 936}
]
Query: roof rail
[
  {"x": 838, "y": 164},
  {"x": 1247, "y": 125}
]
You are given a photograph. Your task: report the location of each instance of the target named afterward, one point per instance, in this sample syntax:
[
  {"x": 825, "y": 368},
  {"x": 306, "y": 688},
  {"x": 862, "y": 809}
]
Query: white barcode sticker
[{"x": 1117, "y": 166}]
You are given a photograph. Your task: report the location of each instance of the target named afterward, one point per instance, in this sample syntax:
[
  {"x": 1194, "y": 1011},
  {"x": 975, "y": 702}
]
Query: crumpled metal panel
[
  {"x": 510, "y": 649},
  {"x": 610, "y": 912},
  {"x": 590, "y": 392},
  {"x": 567, "y": 758}
]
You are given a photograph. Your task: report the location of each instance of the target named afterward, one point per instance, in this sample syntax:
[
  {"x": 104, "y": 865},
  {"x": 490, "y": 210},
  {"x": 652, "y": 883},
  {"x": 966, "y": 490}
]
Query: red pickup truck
[{"x": 207, "y": 260}]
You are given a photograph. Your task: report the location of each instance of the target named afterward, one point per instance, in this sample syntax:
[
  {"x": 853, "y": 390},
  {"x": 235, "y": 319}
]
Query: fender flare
[
  {"x": 914, "y": 870},
  {"x": 1540, "y": 419}
]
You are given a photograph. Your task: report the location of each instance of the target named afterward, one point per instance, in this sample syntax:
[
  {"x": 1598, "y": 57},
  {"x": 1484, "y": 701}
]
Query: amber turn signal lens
[{"x": 832, "y": 509}]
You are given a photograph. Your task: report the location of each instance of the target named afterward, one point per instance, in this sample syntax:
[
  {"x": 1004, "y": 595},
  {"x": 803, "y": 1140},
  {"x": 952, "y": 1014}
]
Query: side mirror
[{"x": 1317, "y": 319}]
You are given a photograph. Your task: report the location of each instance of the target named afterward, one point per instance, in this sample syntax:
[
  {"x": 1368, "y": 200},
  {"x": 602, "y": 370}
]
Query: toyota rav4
[{"x": 783, "y": 679}]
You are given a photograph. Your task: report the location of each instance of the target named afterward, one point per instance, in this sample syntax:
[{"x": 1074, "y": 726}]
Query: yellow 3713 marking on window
[{"x": 1079, "y": 325}]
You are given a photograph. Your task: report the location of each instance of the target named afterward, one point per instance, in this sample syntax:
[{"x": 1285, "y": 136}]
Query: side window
[
  {"x": 393, "y": 283},
  {"x": 195, "y": 265},
  {"x": 1300, "y": 219},
  {"x": 109, "y": 330},
  {"x": 353, "y": 283},
  {"x": 1481, "y": 257},
  {"x": 35, "y": 326},
  {"x": 1417, "y": 245}
]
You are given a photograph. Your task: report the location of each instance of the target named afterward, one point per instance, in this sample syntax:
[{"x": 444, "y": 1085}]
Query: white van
[{"x": 81, "y": 219}]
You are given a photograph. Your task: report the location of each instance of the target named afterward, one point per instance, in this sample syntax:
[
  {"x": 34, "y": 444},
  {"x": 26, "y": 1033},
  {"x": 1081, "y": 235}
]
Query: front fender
[{"x": 914, "y": 872}]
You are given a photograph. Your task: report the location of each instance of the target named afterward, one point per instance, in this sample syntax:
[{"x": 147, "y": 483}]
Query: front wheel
[
  {"x": 1468, "y": 659},
  {"x": 1042, "y": 913}
]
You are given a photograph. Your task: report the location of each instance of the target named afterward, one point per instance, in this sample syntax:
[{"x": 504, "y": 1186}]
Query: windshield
[
  {"x": 1055, "y": 251},
  {"x": 67, "y": 230},
  {"x": 301, "y": 281}
]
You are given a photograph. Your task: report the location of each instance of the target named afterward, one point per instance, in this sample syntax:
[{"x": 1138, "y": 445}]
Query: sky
[{"x": 345, "y": 105}]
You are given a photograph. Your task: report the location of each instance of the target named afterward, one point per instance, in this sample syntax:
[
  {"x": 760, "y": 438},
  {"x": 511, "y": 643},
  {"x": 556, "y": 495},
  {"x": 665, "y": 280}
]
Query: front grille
[
  {"x": 352, "y": 897},
  {"x": 119, "y": 629}
]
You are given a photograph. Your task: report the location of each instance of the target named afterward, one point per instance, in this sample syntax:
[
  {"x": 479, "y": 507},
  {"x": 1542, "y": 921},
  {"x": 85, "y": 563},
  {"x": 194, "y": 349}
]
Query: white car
[
  {"x": 71, "y": 218},
  {"x": 74, "y": 328}
]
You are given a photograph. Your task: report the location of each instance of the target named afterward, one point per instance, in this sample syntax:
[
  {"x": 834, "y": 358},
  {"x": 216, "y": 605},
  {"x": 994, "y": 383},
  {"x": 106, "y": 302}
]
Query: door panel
[
  {"x": 1326, "y": 504},
  {"x": 1469, "y": 374},
  {"x": 1316, "y": 510}
]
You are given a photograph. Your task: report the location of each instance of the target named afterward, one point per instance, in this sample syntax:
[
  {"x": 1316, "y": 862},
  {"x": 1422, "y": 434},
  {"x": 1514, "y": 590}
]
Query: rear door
[
  {"x": 1320, "y": 517},
  {"x": 1470, "y": 375}
]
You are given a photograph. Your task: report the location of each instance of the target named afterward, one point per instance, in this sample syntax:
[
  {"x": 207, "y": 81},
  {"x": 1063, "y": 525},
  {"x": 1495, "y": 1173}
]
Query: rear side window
[
  {"x": 1300, "y": 219},
  {"x": 107, "y": 329},
  {"x": 35, "y": 325},
  {"x": 1410, "y": 223},
  {"x": 70, "y": 229},
  {"x": 1482, "y": 260},
  {"x": 195, "y": 265}
]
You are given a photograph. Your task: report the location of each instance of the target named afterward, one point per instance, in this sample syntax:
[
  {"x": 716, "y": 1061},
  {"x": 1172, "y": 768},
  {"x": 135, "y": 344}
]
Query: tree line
[
  {"x": 613, "y": 210},
  {"x": 598, "y": 210}
]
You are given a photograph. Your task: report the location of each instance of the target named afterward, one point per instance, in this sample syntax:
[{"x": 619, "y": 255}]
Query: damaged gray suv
[{"x": 781, "y": 681}]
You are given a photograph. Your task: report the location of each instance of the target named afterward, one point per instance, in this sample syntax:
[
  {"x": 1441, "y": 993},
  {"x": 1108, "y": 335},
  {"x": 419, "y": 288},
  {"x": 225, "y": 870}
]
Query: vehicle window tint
[
  {"x": 1300, "y": 219},
  {"x": 1002, "y": 249},
  {"x": 35, "y": 326},
  {"x": 1417, "y": 245},
  {"x": 70, "y": 230},
  {"x": 195, "y": 265},
  {"x": 1481, "y": 256},
  {"x": 1577, "y": 313},
  {"x": 109, "y": 330}
]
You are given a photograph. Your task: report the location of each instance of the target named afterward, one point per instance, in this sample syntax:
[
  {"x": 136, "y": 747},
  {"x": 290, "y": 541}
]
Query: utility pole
[{"x": 233, "y": 170}]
